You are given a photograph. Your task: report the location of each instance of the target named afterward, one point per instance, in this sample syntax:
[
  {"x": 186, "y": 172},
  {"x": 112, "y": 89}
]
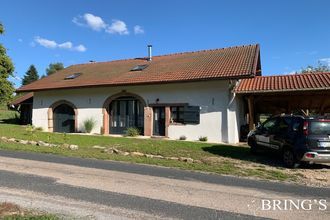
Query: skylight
[
  {"x": 72, "y": 76},
  {"x": 139, "y": 67}
]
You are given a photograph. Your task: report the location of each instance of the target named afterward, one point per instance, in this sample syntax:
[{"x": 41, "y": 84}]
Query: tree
[
  {"x": 53, "y": 67},
  {"x": 320, "y": 68},
  {"x": 1, "y": 29},
  {"x": 6, "y": 70},
  {"x": 30, "y": 76}
]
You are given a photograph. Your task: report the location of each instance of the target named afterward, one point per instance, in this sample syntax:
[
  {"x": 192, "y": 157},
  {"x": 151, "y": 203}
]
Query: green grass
[{"x": 224, "y": 154}]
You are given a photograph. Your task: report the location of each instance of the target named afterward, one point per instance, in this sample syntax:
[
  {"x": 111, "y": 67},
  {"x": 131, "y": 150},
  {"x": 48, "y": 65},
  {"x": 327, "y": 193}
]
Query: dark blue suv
[{"x": 297, "y": 138}]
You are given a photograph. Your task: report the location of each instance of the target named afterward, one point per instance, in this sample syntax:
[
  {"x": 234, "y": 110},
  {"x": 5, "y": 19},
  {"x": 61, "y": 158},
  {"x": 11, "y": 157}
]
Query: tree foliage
[
  {"x": 1, "y": 29},
  {"x": 53, "y": 67},
  {"x": 320, "y": 68},
  {"x": 30, "y": 76},
  {"x": 6, "y": 70}
]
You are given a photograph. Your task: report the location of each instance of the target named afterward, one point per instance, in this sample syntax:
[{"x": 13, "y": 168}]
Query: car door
[
  {"x": 281, "y": 133},
  {"x": 264, "y": 137}
]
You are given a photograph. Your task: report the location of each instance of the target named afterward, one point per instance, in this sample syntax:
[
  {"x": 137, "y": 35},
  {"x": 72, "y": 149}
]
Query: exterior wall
[{"x": 218, "y": 120}]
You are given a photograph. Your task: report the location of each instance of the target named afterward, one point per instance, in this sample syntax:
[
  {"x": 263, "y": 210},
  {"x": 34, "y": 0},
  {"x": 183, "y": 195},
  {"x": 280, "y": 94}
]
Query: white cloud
[
  {"x": 80, "y": 48},
  {"x": 117, "y": 27},
  {"x": 45, "y": 42},
  {"x": 96, "y": 23},
  {"x": 89, "y": 20},
  {"x": 53, "y": 45},
  {"x": 20, "y": 40},
  {"x": 325, "y": 60},
  {"x": 138, "y": 29},
  {"x": 65, "y": 45}
]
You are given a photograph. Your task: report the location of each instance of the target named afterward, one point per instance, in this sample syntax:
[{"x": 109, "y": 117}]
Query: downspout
[{"x": 233, "y": 91}]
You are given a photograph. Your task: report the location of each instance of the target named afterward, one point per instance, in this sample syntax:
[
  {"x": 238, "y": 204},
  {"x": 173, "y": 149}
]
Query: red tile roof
[
  {"x": 225, "y": 63},
  {"x": 21, "y": 99},
  {"x": 285, "y": 83}
]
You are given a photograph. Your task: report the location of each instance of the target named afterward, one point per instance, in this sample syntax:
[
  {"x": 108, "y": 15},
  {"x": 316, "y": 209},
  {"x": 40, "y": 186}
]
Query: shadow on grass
[
  {"x": 243, "y": 153},
  {"x": 14, "y": 121},
  {"x": 263, "y": 157}
]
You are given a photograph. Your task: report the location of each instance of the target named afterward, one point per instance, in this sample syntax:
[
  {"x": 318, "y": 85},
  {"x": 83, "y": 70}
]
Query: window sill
[{"x": 176, "y": 123}]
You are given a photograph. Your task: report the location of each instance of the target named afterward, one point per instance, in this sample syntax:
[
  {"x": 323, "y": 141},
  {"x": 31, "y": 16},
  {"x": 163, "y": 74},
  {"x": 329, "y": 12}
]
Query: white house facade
[{"x": 219, "y": 115}]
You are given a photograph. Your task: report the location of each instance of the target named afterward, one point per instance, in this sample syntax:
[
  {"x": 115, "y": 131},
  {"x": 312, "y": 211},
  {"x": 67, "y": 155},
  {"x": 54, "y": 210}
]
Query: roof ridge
[
  {"x": 292, "y": 75},
  {"x": 165, "y": 55},
  {"x": 205, "y": 50}
]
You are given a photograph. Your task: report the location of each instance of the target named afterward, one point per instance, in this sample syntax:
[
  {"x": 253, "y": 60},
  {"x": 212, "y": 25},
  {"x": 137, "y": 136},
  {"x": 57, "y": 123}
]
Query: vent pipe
[{"x": 149, "y": 52}]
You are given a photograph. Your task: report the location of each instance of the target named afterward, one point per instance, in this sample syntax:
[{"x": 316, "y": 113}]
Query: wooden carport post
[{"x": 251, "y": 112}]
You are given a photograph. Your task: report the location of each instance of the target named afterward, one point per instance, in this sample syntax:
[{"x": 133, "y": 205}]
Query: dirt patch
[
  {"x": 316, "y": 175},
  {"x": 13, "y": 211},
  {"x": 10, "y": 209},
  {"x": 311, "y": 175}
]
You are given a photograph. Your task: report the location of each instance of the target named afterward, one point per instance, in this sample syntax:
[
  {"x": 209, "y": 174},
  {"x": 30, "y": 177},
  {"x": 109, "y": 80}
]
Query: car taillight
[{"x": 305, "y": 128}]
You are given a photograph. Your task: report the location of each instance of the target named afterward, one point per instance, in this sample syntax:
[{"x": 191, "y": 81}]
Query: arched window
[{"x": 125, "y": 112}]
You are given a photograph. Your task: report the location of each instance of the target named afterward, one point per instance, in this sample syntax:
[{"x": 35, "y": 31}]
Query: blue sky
[{"x": 292, "y": 34}]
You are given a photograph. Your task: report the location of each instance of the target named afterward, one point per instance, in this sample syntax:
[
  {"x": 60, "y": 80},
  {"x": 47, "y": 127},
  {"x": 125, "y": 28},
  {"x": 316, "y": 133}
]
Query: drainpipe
[{"x": 232, "y": 91}]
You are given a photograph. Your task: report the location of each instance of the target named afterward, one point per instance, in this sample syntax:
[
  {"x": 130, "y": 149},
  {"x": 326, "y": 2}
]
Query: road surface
[{"x": 94, "y": 189}]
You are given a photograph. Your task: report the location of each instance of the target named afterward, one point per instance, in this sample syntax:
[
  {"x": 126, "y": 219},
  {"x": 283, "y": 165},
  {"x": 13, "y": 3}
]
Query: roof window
[
  {"x": 73, "y": 76},
  {"x": 139, "y": 67}
]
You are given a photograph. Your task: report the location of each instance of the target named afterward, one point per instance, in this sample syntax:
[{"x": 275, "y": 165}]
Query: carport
[{"x": 307, "y": 94}]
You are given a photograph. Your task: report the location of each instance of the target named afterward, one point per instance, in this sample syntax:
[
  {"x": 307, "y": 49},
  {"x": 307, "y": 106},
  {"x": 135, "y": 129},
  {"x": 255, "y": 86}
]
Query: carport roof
[
  {"x": 21, "y": 99},
  {"x": 285, "y": 83}
]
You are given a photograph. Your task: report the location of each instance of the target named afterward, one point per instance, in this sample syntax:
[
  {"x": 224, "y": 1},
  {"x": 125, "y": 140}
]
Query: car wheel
[
  {"x": 289, "y": 158},
  {"x": 253, "y": 147}
]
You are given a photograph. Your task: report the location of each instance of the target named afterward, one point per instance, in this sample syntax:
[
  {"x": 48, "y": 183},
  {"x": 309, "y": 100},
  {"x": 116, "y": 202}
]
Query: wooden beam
[{"x": 251, "y": 112}]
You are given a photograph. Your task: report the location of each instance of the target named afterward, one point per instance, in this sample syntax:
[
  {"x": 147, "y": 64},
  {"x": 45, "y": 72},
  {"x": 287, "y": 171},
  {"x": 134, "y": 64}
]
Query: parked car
[{"x": 297, "y": 138}]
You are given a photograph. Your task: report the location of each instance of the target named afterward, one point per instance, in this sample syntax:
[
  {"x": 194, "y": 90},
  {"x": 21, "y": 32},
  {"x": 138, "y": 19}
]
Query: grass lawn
[{"x": 216, "y": 158}]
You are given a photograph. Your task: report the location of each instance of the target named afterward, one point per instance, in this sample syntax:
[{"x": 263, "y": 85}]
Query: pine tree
[
  {"x": 6, "y": 70},
  {"x": 30, "y": 76}
]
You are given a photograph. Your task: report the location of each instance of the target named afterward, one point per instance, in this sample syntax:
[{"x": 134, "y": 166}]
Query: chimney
[{"x": 149, "y": 52}]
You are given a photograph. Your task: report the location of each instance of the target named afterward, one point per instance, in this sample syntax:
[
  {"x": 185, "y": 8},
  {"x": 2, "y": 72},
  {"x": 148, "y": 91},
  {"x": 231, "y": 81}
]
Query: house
[{"x": 184, "y": 94}]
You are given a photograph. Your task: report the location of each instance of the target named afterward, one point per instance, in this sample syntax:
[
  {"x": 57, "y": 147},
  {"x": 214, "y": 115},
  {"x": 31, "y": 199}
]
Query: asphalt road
[
  {"x": 297, "y": 190},
  {"x": 158, "y": 206}
]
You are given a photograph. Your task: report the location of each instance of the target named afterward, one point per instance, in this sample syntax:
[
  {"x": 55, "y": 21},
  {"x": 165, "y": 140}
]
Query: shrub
[
  {"x": 31, "y": 131},
  {"x": 202, "y": 138},
  {"x": 132, "y": 132},
  {"x": 89, "y": 124},
  {"x": 39, "y": 129},
  {"x": 182, "y": 137},
  {"x": 65, "y": 138}
]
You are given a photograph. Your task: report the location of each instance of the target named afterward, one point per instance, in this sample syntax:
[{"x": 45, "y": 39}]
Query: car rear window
[{"x": 319, "y": 127}]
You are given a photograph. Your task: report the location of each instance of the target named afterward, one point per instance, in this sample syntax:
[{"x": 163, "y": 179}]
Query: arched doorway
[
  {"x": 122, "y": 111},
  {"x": 62, "y": 117}
]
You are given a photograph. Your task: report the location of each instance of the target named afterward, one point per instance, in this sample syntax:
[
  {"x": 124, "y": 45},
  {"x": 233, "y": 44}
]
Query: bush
[
  {"x": 89, "y": 124},
  {"x": 39, "y": 129},
  {"x": 202, "y": 138},
  {"x": 182, "y": 137},
  {"x": 31, "y": 131},
  {"x": 132, "y": 132}
]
